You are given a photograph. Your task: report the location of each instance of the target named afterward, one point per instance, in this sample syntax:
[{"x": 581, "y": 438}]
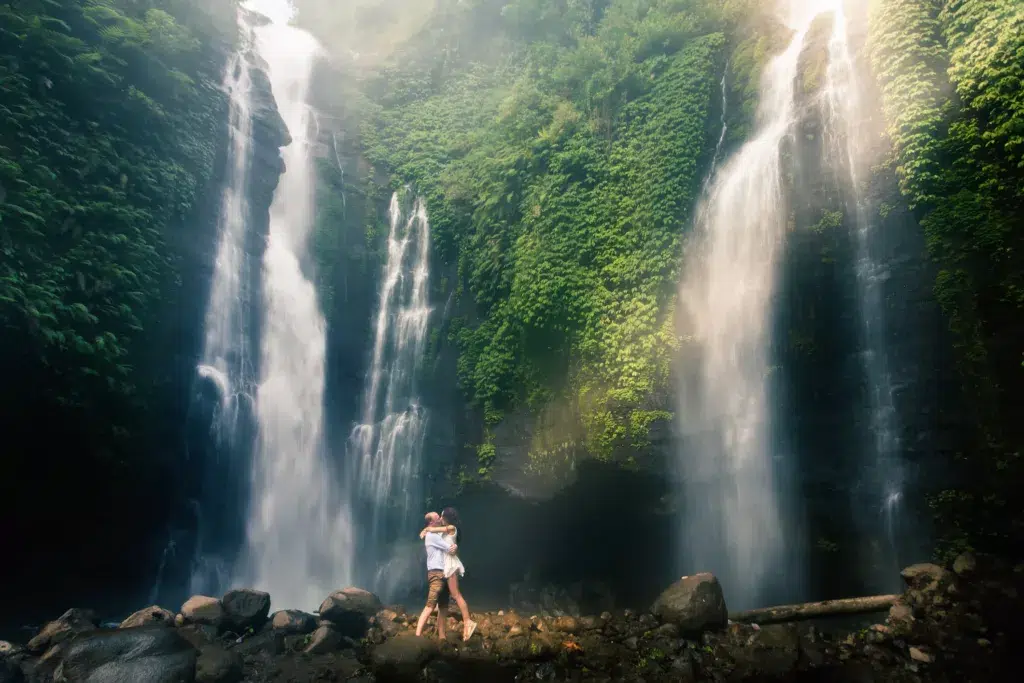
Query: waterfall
[
  {"x": 298, "y": 544},
  {"x": 387, "y": 445},
  {"x": 226, "y": 363},
  {"x": 880, "y": 491},
  {"x": 736, "y": 524}
]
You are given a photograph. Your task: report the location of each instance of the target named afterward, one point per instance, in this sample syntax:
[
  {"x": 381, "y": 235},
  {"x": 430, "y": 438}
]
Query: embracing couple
[{"x": 444, "y": 568}]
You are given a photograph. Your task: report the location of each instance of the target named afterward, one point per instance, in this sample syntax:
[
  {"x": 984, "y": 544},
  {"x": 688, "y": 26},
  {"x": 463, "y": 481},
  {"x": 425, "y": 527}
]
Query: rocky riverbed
[{"x": 952, "y": 624}]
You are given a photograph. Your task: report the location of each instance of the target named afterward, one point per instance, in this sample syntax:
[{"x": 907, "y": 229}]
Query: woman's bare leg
[{"x": 453, "y": 588}]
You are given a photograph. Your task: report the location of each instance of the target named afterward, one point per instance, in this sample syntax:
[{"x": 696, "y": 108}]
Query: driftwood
[{"x": 814, "y": 610}]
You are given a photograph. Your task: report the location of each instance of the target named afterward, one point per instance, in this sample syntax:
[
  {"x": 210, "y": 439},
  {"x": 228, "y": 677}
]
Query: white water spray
[
  {"x": 843, "y": 113},
  {"x": 735, "y": 525},
  {"x": 298, "y": 537},
  {"x": 387, "y": 445}
]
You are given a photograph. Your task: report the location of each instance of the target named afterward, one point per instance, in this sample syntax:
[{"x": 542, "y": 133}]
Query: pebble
[{"x": 919, "y": 655}]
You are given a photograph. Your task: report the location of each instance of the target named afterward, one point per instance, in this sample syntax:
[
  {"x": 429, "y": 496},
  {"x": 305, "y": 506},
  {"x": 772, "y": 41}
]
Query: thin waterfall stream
[{"x": 386, "y": 447}]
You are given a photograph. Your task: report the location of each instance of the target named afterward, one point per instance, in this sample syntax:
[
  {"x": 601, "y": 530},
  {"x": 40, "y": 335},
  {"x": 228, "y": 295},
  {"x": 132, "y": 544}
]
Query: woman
[{"x": 453, "y": 567}]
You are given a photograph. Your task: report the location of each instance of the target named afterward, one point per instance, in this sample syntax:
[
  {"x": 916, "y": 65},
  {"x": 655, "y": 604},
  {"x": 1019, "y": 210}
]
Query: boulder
[
  {"x": 694, "y": 603},
  {"x": 150, "y": 615},
  {"x": 217, "y": 665},
  {"x": 325, "y": 639},
  {"x": 926, "y": 577},
  {"x": 341, "y": 603},
  {"x": 293, "y": 622},
  {"x": 245, "y": 609},
  {"x": 73, "y": 621},
  {"x": 202, "y": 609},
  {"x": 402, "y": 658},
  {"x": 10, "y": 672},
  {"x": 349, "y": 610},
  {"x": 965, "y": 564},
  {"x": 148, "y": 654}
]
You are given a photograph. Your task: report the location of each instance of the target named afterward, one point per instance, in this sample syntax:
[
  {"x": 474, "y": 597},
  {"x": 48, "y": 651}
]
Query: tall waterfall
[
  {"x": 227, "y": 358},
  {"x": 298, "y": 546},
  {"x": 880, "y": 490},
  {"x": 732, "y": 473},
  {"x": 387, "y": 445}
]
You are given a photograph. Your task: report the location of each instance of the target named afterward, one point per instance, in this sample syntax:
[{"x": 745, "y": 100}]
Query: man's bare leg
[
  {"x": 424, "y": 615},
  {"x": 442, "y": 619}
]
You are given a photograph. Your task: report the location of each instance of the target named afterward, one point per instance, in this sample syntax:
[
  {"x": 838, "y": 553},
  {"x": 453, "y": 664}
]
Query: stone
[
  {"x": 402, "y": 658},
  {"x": 293, "y": 622},
  {"x": 926, "y": 577},
  {"x": 325, "y": 639},
  {"x": 245, "y": 609},
  {"x": 75, "y": 620},
  {"x": 566, "y": 624},
  {"x": 349, "y": 610},
  {"x": 694, "y": 603},
  {"x": 965, "y": 564},
  {"x": 8, "y": 649},
  {"x": 202, "y": 609},
  {"x": 147, "y": 654},
  {"x": 919, "y": 655},
  {"x": 150, "y": 615},
  {"x": 217, "y": 665},
  {"x": 771, "y": 652}
]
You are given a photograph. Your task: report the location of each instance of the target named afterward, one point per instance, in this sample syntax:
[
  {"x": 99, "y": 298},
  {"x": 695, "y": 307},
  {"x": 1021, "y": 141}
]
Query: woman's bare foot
[{"x": 468, "y": 631}]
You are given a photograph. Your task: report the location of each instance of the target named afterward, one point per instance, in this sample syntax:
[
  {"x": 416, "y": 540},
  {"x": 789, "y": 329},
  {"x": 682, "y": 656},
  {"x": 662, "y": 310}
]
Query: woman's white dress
[{"x": 452, "y": 563}]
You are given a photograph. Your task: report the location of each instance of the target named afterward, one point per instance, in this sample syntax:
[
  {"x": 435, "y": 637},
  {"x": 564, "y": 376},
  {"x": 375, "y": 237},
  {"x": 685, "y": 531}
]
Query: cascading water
[
  {"x": 227, "y": 356},
  {"x": 387, "y": 445},
  {"x": 736, "y": 524},
  {"x": 878, "y": 494},
  {"x": 298, "y": 545}
]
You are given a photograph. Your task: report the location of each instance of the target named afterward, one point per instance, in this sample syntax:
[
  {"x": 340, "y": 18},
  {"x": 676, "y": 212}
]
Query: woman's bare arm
[{"x": 437, "y": 530}]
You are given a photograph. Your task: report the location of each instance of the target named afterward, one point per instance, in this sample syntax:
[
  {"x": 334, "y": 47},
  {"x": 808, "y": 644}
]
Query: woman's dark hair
[{"x": 452, "y": 517}]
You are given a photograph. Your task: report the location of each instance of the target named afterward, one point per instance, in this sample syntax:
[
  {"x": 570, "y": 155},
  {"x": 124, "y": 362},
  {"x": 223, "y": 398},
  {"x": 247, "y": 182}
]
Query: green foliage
[
  {"x": 560, "y": 180},
  {"x": 951, "y": 74},
  {"x": 108, "y": 126}
]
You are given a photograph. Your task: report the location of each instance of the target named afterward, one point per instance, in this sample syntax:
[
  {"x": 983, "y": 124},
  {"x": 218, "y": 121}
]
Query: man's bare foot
[{"x": 468, "y": 631}]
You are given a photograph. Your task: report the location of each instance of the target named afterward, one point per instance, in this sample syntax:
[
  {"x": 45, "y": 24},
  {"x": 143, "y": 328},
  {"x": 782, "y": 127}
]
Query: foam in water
[
  {"x": 882, "y": 479},
  {"x": 735, "y": 523},
  {"x": 298, "y": 544},
  {"x": 386, "y": 447}
]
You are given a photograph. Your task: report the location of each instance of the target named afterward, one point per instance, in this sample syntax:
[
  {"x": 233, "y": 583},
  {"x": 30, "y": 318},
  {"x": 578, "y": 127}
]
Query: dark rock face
[
  {"x": 217, "y": 665},
  {"x": 139, "y": 655},
  {"x": 694, "y": 603},
  {"x": 245, "y": 608},
  {"x": 402, "y": 658}
]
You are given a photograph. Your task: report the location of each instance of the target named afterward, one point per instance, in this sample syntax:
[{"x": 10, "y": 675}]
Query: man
[{"x": 437, "y": 591}]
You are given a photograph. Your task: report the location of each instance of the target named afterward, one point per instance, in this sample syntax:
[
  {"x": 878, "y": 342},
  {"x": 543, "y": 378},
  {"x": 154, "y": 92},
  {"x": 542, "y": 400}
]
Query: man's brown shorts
[{"x": 437, "y": 594}]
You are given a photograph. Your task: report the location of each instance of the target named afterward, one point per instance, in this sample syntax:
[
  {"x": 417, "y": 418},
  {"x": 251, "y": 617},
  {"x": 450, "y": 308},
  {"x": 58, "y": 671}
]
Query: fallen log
[{"x": 814, "y": 610}]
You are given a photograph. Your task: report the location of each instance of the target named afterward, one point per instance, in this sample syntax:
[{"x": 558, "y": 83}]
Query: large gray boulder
[
  {"x": 202, "y": 609},
  {"x": 148, "y": 654},
  {"x": 152, "y": 615},
  {"x": 291, "y": 622},
  {"x": 245, "y": 608},
  {"x": 693, "y": 603},
  {"x": 349, "y": 610},
  {"x": 75, "y": 620},
  {"x": 402, "y": 658}
]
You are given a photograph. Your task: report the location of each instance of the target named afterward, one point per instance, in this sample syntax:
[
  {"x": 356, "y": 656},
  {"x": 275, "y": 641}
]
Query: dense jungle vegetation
[
  {"x": 109, "y": 122},
  {"x": 952, "y": 76},
  {"x": 561, "y": 147}
]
